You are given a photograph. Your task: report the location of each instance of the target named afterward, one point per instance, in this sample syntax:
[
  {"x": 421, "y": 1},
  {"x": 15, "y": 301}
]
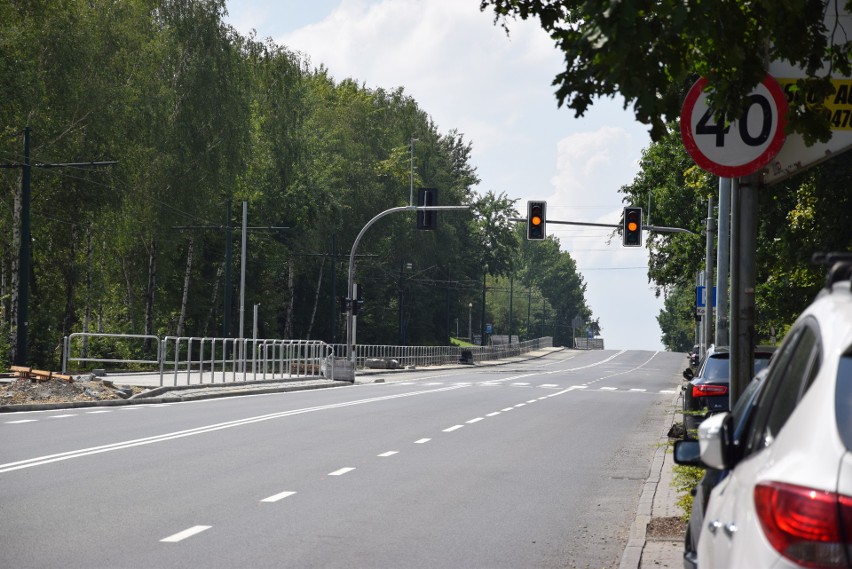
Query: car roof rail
[{"x": 840, "y": 266}]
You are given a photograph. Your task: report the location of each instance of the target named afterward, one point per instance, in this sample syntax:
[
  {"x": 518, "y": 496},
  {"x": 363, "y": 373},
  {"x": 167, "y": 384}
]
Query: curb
[
  {"x": 632, "y": 556},
  {"x": 168, "y": 394}
]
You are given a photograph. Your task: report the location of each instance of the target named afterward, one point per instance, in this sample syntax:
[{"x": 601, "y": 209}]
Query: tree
[{"x": 651, "y": 52}]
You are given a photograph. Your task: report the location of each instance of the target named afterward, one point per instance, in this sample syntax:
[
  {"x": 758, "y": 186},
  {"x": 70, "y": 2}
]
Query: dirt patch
[
  {"x": 28, "y": 392},
  {"x": 666, "y": 528}
]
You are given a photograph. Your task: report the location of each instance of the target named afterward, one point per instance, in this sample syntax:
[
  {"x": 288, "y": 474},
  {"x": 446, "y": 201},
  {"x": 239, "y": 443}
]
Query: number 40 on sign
[{"x": 739, "y": 147}]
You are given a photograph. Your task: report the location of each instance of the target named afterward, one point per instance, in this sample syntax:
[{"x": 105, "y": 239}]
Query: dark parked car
[
  {"x": 687, "y": 453},
  {"x": 706, "y": 391}
]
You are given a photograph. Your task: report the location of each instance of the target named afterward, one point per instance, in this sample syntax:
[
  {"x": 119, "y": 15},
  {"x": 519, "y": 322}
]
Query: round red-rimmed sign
[{"x": 740, "y": 147}]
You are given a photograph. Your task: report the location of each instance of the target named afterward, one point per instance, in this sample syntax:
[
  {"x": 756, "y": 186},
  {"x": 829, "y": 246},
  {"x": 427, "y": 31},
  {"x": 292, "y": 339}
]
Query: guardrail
[
  {"x": 197, "y": 360},
  {"x": 439, "y": 355}
]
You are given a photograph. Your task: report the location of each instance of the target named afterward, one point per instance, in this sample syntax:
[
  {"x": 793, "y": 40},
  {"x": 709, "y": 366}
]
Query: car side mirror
[
  {"x": 716, "y": 439},
  {"x": 688, "y": 453},
  {"x": 688, "y": 375}
]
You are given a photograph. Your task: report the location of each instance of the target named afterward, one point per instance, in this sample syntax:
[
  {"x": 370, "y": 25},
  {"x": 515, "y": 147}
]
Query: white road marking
[
  {"x": 62, "y": 416},
  {"x": 180, "y": 536},
  {"x": 342, "y": 471},
  {"x": 532, "y": 401},
  {"x": 668, "y": 391},
  {"x": 21, "y": 421},
  {"x": 521, "y": 405},
  {"x": 494, "y": 414},
  {"x": 520, "y": 384},
  {"x": 507, "y": 409},
  {"x": 472, "y": 421},
  {"x": 42, "y": 460},
  {"x": 548, "y": 385},
  {"x": 277, "y": 497},
  {"x": 389, "y": 453},
  {"x": 640, "y": 390},
  {"x": 609, "y": 389},
  {"x": 421, "y": 441},
  {"x": 453, "y": 428},
  {"x": 98, "y": 412}
]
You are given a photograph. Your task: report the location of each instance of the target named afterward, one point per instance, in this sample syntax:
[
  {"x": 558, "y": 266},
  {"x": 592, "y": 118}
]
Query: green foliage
[
  {"x": 685, "y": 479},
  {"x": 651, "y": 53},
  {"x": 199, "y": 120}
]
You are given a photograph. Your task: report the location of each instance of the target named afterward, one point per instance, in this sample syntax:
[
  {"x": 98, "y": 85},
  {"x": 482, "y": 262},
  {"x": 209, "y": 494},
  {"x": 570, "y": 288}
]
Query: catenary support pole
[{"x": 708, "y": 277}]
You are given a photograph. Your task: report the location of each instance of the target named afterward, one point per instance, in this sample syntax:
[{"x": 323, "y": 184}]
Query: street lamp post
[{"x": 470, "y": 321}]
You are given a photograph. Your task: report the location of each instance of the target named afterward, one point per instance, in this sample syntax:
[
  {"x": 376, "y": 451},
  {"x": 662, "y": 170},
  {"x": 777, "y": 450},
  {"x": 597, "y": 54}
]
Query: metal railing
[
  {"x": 208, "y": 360},
  {"x": 439, "y": 355},
  {"x": 196, "y": 360},
  {"x": 132, "y": 342}
]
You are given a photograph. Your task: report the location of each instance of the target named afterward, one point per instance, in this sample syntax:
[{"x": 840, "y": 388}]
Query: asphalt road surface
[{"x": 537, "y": 464}]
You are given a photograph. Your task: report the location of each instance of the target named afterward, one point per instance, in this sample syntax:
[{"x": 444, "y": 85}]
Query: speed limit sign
[{"x": 742, "y": 146}]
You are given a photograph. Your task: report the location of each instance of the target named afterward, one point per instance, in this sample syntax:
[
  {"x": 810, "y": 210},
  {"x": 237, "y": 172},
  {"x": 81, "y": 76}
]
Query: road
[{"x": 537, "y": 464}]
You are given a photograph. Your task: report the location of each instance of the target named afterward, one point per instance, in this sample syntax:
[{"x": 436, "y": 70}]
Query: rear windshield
[
  {"x": 843, "y": 400},
  {"x": 717, "y": 367}
]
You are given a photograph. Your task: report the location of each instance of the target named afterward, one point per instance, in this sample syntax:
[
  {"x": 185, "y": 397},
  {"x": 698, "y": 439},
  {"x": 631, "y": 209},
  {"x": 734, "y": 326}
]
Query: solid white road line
[
  {"x": 180, "y": 536},
  {"x": 277, "y": 497}
]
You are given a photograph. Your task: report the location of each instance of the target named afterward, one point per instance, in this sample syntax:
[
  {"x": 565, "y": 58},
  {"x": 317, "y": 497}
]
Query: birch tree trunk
[
  {"x": 185, "y": 298},
  {"x": 288, "y": 327},
  {"x": 149, "y": 296},
  {"x": 316, "y": 301}
]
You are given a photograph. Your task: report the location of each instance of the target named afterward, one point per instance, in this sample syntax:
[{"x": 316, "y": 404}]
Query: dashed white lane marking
[
  {"x": 99, "y": 412},
  {"x": 389, "y": 453},
  {"x": 639, "y": 390},
  {"x": 421, "y": 441},
  {"x": 609, "y": 389},
  {"x": 62, "y": 416},
  {"x": 180, "y": 536},
  {"x": 494, "y": 414},
  {"x": 277, "y": 497},
  {"x": 520, "y": 384},
  {"x": 21, "y": 421},
  {"x": 668, "y": 391},
  {"x": 548, "y": 385},
  {"x": 342, "y": 471},
  {"x": 453, "y": 428},
  {"x": 507, "y": 409},
  {"x": 532, "y": 401},
  {"x": 521, "y": 405},
  {"x": 472, "y": 421}
]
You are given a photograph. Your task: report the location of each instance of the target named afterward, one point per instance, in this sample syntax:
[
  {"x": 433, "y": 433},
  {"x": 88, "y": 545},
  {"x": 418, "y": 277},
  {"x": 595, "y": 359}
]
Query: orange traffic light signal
[
  {"x": 631, "y": 230},
  {"x": 536, "y": 220}
]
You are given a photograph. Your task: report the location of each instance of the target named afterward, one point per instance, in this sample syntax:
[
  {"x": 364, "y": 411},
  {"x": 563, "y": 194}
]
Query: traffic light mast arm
[{"x": 654, "y": 228}]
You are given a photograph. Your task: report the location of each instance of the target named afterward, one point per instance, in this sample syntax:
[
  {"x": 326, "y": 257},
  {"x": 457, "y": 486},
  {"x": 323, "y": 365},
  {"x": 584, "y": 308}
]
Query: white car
[{"x": 788, "y": 499}]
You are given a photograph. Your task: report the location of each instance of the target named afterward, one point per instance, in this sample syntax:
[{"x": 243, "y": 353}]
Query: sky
[{"x": 468, "y": 75}]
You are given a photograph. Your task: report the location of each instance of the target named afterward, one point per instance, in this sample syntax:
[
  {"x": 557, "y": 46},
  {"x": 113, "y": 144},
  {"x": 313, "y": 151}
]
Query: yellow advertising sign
[{"x": 839, "y": 104}]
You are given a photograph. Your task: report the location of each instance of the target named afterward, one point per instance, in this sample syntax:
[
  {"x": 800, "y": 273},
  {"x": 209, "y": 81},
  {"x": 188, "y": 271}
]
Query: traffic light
[
  {"x": 631, "y": 231},
  {"x": 536, "y": 220},
  {"x": 427, "y": 220}
]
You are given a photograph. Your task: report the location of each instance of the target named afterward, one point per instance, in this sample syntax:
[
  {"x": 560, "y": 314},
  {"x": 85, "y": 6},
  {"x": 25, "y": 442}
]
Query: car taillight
[
  {"x": 803, "y": 524},
  {"x": 709, "y": 390}
]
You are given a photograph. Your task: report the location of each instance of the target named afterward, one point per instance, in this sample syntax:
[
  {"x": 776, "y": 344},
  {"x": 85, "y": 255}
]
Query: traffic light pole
[{"x": 350, "y": 288}]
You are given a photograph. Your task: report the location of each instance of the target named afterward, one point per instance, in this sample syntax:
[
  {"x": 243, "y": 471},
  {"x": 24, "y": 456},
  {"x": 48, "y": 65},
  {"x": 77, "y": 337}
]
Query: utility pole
[
  {"x": 708, "y": 279},
  {"x": 25, "y": 249},
  {"x": 723, "y": 258}
]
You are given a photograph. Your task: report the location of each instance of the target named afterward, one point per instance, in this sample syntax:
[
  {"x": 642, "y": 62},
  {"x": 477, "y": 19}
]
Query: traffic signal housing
[
  {"x": 427, "y": 220},
  {"x": 631, "y": 231},
  {"x": 536, "y": 220}
]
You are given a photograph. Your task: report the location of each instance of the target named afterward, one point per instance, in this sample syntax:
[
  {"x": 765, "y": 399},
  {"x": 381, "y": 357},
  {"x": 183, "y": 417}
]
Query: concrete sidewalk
[{"x": 658, "y": 500}]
